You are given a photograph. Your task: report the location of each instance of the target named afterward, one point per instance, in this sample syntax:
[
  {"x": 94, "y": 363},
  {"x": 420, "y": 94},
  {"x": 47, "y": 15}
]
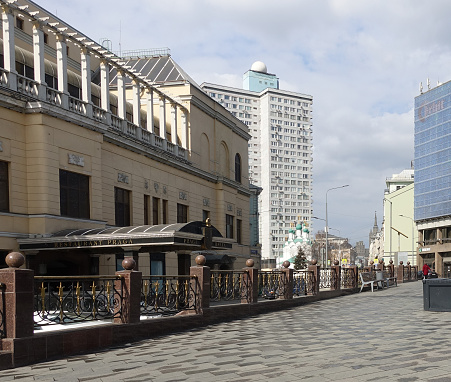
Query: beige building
[
  {"x": 399, "y": 236},
  {"x": 93, "y": 156}
]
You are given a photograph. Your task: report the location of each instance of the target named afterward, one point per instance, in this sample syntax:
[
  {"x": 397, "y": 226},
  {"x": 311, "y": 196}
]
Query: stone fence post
[
  {"x": 335, "y": 276},
  {"x": 18, "y": 298},
  {"x": 391, "y": 268},
  {"x": 131, "y": 293},
  {"x": 288, "y": 289},
  {"x": 400, "y": 272},
  {"x": 316, "y": 269},
  {"x": 250, "y": 280},
  {"x": 201, "y": 283},
  {"x": 354, "y": 283}
]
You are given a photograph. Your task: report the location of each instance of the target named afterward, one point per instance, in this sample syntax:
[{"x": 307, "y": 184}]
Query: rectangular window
[
  {"x": 74, "y": 194},
  {"x": 182, "y": 213},
  {"x": 19, "y": 23},
  {"x": 238, "y": 231},
  {"x": 122, "y": 207},
  {"x": 4, "y": 187},
  {"x": 146, "y": 210},
  {"x": 155, "y": 211},
  {"x": 165, "y": 212},
  {"x": 229, "y": 226}
]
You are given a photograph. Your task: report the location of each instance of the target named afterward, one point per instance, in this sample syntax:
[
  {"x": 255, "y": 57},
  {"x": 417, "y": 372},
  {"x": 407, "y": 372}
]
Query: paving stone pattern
[{"x": 380, "y": 336}]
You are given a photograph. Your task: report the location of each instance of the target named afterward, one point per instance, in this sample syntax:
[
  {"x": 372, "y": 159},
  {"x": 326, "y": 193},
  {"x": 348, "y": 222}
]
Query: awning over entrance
[{"x": 162, "y": 238}]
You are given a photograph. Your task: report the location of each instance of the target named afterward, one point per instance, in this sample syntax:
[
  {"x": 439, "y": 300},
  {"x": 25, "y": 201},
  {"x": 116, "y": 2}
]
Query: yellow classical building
[{"x": 101, "y": 159}]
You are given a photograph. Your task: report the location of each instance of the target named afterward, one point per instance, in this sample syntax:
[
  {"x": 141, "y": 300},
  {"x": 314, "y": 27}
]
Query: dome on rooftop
[{"x": 259, "y": 66}]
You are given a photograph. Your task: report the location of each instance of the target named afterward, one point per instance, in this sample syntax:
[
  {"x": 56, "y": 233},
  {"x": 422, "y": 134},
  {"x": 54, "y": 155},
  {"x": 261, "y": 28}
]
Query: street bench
[
  {"x": 392, "y": 279},
  {"x": 369, "y": 278}
]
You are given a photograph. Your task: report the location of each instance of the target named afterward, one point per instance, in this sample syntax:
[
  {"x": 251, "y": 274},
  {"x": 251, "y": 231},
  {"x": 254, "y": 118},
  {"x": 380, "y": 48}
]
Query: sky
[{"x": 361, "y": 60}]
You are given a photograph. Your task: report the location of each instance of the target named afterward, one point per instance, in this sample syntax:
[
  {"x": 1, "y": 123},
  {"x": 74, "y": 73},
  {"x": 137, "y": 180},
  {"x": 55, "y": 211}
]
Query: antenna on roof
[{"x": 120, "y": 38}]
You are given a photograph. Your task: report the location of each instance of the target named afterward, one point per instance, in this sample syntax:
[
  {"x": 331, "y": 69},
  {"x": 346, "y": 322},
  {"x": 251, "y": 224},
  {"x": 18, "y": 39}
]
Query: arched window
[{"x": 238, "y": 168}]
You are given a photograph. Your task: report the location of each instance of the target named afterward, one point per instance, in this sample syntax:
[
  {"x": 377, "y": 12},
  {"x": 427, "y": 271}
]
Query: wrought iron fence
[
  {"x": 303, "y": 282},
  {"x": 168, "y": 295},
  {"x": 271, "y": 284},
  {"x": 2, "y": 311},
  {"x": 229, "y": 285},
  {"x": 348, "y": 278},
  {"x": 414, "y": 273},
  {"x": 325, "y": 278},
  {"x": 405, "y": 273},
  {"x": 62, "y": 300}
]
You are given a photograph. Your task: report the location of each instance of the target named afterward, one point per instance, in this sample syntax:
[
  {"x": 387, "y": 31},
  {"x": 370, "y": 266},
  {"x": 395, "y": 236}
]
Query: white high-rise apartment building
[{"x": 280, "y": 152}]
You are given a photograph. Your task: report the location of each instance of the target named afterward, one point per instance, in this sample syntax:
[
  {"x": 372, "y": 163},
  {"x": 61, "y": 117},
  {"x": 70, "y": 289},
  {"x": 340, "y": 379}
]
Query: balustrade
[
  {"x": 98, "y": 114},
  {"x": 27, "y": 86},
  {"x": 228, "y": 285},
  {"x": 77, "y": 106},
  {"x": 62, "y": 300},
  {"x": 167, "y": 295},
  {"x": 131, "y": 129}
]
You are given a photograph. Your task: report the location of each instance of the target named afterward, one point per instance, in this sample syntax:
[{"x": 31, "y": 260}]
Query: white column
[
  {"x": 162, "y": 117},
  {"x": 38, "y": 53},
  {"x": 121, "y": 102},
  {"x": 105, "y": 85},
  {"x": 174, "y": 123},
  {"x": 61, "y": 62},
  {"x": 105, "y": 89},
  {"x": 136, "y": 103},
  {"x": 184, "y": 137},
  {"x": 150, "y": 119},
  {"x": 9, "y": 53},
  {"x": 86, "y": 80}
]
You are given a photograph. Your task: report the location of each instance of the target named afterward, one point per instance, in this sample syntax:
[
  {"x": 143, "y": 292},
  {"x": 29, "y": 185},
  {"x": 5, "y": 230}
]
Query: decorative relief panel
[
  {"x": 146, "y": 184},
  {"x": 229, "y": 207},
  {"x": 206, "y": 202},
  {"x": 122, "y": 178},
  {"x": 75, "y": 159},
  {"x": 239, "y": 212},
  {"x": 1, "y": 147},
  {"x": 165, "y": 190},
  {"x": 183, "y": 195},
  {"x": 156, "y": 186}
]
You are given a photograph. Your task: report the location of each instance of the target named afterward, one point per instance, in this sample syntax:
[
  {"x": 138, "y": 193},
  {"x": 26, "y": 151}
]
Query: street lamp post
[
  {"x": 327, "y": 226},
  {"x": 390, "y": 244},
  {"x": 413, "y": 237}
]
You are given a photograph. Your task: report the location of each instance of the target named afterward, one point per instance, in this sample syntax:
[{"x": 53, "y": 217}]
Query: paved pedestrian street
[{"x": 380, "y": 336}]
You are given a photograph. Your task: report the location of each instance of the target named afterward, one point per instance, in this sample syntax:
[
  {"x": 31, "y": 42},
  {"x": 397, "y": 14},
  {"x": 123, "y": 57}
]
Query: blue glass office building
[{"x": 433, "y": 154}]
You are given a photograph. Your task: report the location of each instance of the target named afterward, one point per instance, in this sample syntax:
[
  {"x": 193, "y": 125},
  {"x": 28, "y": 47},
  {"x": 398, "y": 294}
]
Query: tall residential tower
[{"x": 280, "y": 152}]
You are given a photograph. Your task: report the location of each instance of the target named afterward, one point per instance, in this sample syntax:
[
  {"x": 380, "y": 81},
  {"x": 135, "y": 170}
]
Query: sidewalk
[{"x": 380, "y": 336}]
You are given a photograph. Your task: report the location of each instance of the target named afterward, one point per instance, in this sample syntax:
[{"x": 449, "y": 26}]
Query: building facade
[
  {"x": 400, "y": 234},
  {"x": 432, "y": 187},
  {"x": 89, "y": 165},
  {"x": 280, "y": 152}
]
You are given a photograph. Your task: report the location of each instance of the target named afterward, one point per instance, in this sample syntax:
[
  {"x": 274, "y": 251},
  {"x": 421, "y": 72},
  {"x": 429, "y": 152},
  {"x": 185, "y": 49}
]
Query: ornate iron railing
[
  {"x": 348, "y": 278},
  {"x": 2, "y": 310},
  {"x": 62, "y": 300},
  {"x": 325, "y": 278},
  {"x": 303, "y": 283},
  {"x": 405, "y": 273},
  {"x": 414, "y": 273},
  {"x": 229, "y": 285},
  {"x": 271, "y": 284},
  {"x": 168, "y": 295}
]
